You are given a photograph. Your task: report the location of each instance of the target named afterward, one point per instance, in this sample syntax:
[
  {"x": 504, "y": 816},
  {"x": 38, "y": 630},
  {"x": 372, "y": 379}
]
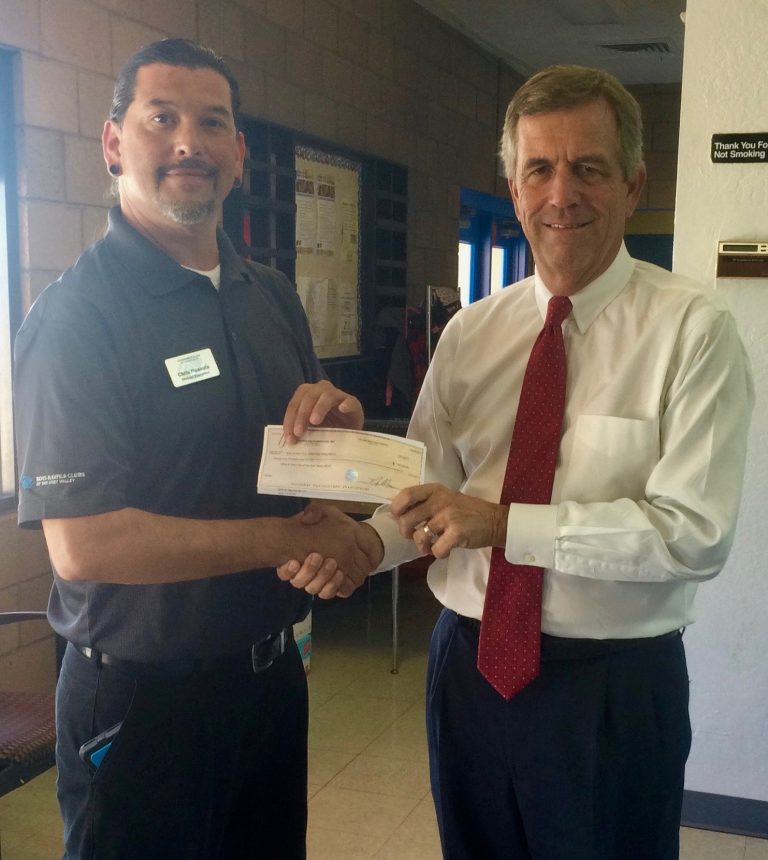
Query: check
[{"x": 355, "y": 465}]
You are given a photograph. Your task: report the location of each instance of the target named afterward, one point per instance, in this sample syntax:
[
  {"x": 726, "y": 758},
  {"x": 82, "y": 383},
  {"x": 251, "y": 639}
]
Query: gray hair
[{"x": 562, "y": 87}]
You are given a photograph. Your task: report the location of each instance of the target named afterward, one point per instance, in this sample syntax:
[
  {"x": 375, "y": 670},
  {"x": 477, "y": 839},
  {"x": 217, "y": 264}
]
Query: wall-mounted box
[{"x": 742, "y": 260}]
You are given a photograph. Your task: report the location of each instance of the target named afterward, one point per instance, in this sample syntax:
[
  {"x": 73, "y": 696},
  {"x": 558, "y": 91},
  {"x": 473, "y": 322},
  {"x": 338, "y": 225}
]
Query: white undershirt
[{"x": 214, "y": 275}]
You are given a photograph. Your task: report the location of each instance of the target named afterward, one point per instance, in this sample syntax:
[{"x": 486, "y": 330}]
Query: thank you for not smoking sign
[{"x": 740, "y": 148}]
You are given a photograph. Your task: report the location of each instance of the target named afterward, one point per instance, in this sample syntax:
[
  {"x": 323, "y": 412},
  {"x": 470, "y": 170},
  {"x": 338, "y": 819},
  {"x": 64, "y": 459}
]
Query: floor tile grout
[{"x": 344, "y": 658}]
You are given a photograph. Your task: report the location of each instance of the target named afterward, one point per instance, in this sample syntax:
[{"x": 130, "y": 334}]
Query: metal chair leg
[{"x": 395, "y": 606}]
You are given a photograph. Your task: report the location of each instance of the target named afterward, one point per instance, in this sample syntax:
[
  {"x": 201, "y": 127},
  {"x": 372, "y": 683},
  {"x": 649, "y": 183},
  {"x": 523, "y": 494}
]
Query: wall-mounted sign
[
  {"x": 740, "y": 148},
  {"x": 742, "y": 259}
]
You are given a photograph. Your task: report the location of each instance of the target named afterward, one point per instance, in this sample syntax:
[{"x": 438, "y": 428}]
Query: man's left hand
[
  {"x": 320, "y": 404},
  {"x": 439, "y": 519}
]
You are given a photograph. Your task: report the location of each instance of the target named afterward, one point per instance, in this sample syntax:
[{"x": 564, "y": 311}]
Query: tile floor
[{"x": 368, "y": 776}]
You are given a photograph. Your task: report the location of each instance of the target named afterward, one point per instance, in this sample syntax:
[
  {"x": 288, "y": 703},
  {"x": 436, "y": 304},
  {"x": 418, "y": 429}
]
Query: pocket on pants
[
  {"x": 150, "y": 796},
  {"x": 440, "y": 646},
  {"x": 144, "y": 741}
]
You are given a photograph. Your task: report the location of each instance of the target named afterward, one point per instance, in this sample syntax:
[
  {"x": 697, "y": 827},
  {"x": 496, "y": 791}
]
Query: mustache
[{"x": 187, "y": 164}]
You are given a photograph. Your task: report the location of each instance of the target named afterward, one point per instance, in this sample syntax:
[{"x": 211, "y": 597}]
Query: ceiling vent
[{"x": 639, "y": 47}]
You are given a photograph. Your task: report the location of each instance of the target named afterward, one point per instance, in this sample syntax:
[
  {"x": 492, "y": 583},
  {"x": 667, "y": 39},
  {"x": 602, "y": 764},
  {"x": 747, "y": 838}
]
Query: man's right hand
[
  {"x": 341, "y": 553},
  {"x": 135, "y": 547}
]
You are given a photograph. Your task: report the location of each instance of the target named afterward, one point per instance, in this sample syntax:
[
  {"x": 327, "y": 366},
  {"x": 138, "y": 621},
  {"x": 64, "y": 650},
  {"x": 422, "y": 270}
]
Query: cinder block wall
[
  {"x": 27, "y": 659},
  {"x": 661, "y": 125},
  {"x": 380, "y": 76}
]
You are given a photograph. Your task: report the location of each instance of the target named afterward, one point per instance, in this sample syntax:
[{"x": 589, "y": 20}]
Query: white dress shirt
[{"x": 651, "y": 462}]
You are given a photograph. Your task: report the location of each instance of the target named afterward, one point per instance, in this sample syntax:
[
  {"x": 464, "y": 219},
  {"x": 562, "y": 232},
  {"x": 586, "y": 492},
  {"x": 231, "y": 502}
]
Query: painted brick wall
[
  {"x": 379, "y": 76},
  {"x": 661, "y": 125}
]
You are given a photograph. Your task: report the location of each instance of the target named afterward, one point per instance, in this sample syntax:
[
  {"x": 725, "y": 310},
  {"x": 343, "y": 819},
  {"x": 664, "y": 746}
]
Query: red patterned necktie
[{"x": 510, "y": 633}]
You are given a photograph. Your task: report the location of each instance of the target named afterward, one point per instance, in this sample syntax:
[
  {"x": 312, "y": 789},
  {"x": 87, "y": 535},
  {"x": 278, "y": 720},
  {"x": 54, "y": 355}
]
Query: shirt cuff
[
  {"x": 397, "y": 549},
  {"x": 531, "y": 533}
]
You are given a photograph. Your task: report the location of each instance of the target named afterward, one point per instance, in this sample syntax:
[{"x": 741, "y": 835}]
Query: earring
[
  {"x": 114, "y": 169},
  {"x": 237, "y": 183}
]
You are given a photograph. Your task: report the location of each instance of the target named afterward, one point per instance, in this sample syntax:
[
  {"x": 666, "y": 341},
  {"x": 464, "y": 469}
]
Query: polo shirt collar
[
  {"x": 154, "y": 269},
  {"x": 596, "y": 296},
  {"x": 233, "y": 266}
]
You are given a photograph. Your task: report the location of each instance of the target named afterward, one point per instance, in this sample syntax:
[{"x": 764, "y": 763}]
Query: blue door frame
[{"x": 487, "y": 221}]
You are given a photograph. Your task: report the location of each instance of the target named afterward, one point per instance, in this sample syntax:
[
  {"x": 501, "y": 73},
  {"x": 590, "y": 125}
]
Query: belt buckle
[{"x": 264, "y": 653}]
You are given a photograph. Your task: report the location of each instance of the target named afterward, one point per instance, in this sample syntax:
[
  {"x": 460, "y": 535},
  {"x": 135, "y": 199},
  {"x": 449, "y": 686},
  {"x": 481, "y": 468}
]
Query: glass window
[
  {"x": 8, "y": 271},
  {"x": 465, "y": 272},
  {"x": 498, "y": 265}
]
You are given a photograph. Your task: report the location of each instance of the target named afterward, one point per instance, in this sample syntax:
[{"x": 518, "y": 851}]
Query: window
[
  {"x": 493, "y": 252},
  {"x": 9, "y": 272},
  {"x": 465, "y": 272},
  {"x": 498, "y": 267}
]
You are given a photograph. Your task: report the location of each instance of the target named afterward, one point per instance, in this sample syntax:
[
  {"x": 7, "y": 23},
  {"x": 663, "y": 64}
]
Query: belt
[
  {"x": 257, "y": 657},
  {"x": 568, "y": 648}
]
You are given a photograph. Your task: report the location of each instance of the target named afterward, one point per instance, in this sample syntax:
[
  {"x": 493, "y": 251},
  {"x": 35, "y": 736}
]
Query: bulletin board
[{"x": 328, "y": 205}]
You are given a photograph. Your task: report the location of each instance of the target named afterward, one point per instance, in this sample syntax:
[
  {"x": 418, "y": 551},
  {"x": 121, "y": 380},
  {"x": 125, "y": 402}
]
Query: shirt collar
[
  {"x": 597, "y": 295},
  {"x": 155, "y": 270}
]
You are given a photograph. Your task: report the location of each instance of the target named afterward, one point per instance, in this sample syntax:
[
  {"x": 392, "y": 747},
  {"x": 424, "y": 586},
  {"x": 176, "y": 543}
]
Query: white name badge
[{"x": 192, "y": 367}]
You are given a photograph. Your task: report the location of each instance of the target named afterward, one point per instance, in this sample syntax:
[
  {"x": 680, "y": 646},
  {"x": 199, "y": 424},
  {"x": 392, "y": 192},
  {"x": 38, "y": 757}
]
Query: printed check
[{"x": 352, "y": 465}]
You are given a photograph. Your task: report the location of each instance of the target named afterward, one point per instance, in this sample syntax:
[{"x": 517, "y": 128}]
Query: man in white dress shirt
[{"x": 587, "y": 761}]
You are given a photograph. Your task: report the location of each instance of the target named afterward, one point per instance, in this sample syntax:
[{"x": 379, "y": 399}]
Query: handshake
[
  {"x": 331, "y": 554},
  {"x": 339, "y": 553}
]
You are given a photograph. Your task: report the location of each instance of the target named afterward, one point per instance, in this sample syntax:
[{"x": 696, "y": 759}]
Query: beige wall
[
  {"x": 661, "y": 126},
  {"x": 724, "y": 91},
  {"x": 26, "y": 650},
  {"x": 379, "y": 76}
]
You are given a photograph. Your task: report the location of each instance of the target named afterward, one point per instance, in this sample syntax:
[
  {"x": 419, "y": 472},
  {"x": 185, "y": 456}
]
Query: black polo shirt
[{"x": 101, "y": 426}]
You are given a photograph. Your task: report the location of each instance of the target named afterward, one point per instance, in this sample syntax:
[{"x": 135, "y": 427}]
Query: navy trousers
[
  {"x": 586, "y": 763},
  {"x": 206, "y": 766}
]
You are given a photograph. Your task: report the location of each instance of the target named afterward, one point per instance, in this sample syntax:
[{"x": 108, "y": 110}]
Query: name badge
[{"x": 192, "y": 367}]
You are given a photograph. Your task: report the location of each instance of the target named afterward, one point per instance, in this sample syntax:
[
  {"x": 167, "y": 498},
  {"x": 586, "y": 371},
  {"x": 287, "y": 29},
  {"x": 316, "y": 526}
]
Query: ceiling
[{"x": 531, "y": 34}]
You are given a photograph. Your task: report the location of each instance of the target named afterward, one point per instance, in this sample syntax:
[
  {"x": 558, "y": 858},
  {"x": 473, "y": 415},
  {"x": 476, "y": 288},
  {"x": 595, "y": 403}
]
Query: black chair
[{"x": 27, "y": 727}]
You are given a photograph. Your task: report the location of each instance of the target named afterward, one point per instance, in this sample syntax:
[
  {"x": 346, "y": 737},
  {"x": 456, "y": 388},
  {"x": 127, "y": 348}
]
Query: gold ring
[{"x": 431, "y": 536}]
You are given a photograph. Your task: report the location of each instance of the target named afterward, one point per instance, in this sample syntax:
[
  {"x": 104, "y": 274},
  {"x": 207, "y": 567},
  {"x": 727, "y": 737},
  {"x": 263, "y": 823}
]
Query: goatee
[{"x": 187, "y": 213}]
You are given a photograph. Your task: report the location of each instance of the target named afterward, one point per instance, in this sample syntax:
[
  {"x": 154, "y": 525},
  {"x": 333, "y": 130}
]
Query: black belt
[
  {"x": 258, "y": 657},
  {"x": 567, "y": 648}
]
